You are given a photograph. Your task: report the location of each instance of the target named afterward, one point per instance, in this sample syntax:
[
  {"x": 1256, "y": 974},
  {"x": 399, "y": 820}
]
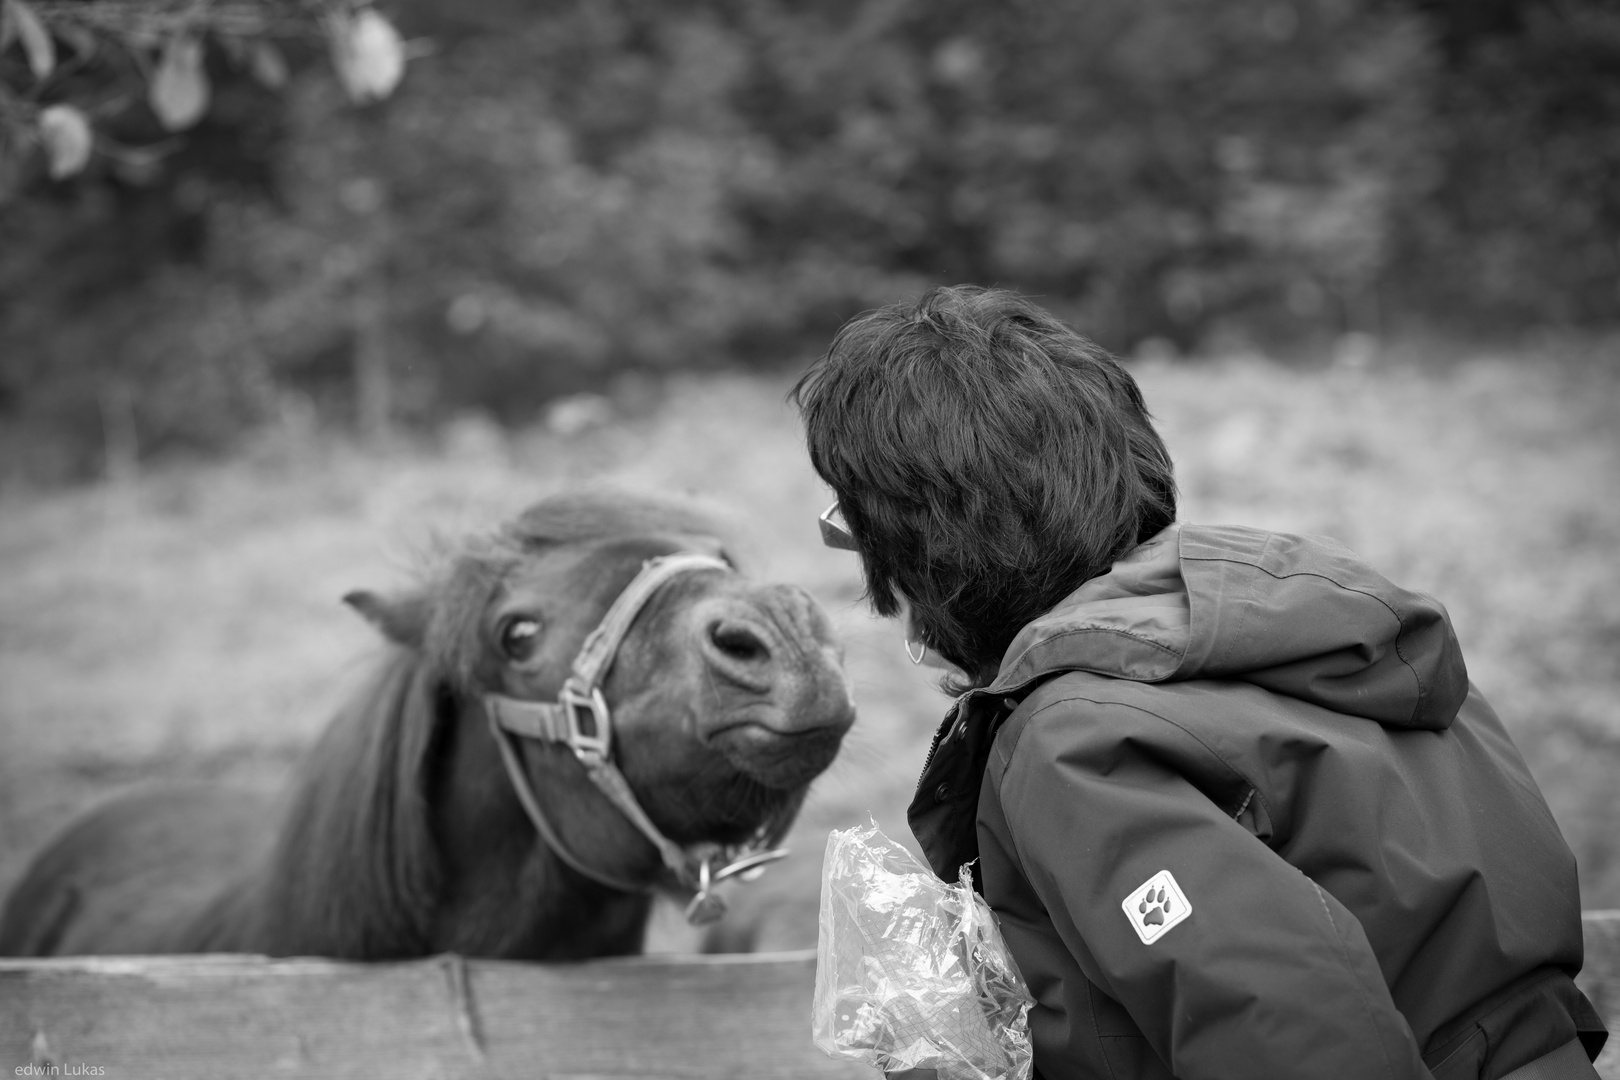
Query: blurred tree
[
  {"x": 121, "y": 123},
  {"x": 1524, "y": 224},
  {"x": 571, "y": 188},
  {"x": 1154, "y": 168},
  {"x": 109, "y": 78}
]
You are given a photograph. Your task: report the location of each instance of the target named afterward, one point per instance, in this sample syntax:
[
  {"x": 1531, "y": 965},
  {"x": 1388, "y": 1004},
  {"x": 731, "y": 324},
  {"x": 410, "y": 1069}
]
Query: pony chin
[
  {"x": 733, "y": 810},
  {"x": 782, "y": 761}
]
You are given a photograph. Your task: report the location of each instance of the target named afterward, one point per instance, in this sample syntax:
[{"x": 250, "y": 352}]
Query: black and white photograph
[{"x": 928, "y": 539}]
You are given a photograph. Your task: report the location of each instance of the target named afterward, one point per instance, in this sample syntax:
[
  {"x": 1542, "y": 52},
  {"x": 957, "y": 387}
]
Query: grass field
[{"x": 186, "y": 623}]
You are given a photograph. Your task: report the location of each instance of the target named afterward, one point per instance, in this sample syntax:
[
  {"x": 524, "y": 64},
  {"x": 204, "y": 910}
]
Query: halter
[{"x": 580, "y": 720}]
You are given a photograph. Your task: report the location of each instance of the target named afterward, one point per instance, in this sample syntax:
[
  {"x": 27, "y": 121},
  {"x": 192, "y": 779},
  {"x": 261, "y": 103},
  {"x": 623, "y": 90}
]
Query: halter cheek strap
[{"x": 580, "y": 720}]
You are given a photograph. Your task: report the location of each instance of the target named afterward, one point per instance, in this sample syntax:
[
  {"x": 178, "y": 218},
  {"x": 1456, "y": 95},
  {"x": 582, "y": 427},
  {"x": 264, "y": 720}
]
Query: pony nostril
[{"x": 739, "y": 642}]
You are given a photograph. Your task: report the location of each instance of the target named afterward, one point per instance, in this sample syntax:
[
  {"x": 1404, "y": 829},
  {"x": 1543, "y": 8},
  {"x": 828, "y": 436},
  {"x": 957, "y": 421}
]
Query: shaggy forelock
[
  {"x": 454, "y": 644},
  {"x": 987, "y": 458},
  {"x": 589, "y": 515},
  {"x": 460, "y": 584}
]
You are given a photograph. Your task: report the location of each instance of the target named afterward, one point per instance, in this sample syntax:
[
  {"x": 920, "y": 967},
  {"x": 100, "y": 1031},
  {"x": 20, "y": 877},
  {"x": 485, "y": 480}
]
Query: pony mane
[{"x": 355, "y": 871}]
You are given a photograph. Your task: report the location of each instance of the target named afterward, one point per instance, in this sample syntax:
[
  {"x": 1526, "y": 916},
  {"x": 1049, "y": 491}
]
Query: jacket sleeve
[{"x": 1265, "y": 974}]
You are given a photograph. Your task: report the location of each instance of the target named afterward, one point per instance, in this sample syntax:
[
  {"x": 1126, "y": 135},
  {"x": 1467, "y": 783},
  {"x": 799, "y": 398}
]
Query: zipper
[
  {"x": 953, "y": 726},
  {"x": 943, "y": 732}
]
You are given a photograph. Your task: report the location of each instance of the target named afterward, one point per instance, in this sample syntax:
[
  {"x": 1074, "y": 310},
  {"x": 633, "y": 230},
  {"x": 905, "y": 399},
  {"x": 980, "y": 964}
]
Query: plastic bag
[{"x": 912, "y": 973}]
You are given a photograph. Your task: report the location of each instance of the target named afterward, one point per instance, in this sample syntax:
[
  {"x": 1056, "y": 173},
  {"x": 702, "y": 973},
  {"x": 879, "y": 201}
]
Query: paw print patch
[{"x": 1155, "y": 906}]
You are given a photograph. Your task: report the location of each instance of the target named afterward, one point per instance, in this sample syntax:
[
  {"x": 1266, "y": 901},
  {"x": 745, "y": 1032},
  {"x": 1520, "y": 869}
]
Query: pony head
[{"x": 727, "y": 696}]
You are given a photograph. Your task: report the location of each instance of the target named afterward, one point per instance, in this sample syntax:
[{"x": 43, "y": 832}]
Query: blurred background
[{"x": 290, "y": 293}]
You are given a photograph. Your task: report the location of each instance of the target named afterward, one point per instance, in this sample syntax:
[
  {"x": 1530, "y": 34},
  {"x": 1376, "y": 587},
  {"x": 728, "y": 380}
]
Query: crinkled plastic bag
[{"x": 912, "y": 973}]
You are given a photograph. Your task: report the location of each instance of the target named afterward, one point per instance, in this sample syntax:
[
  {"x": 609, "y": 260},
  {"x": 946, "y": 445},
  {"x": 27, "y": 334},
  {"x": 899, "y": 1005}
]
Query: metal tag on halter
[
  {"x": 707, "y": 906},
  {"x": 705, "y": 909}
]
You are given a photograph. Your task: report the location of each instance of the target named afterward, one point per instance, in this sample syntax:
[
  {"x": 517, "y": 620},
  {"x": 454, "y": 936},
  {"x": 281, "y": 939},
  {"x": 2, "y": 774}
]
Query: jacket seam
[
  {"x": 1244, "y": 805},
  {"x": 1423, "y": 692},
  {"x": 1078, "y": 630},
  {"x": 1361, "y": 992},
  {"x": 1254, "y": 789},
  {"x": 1091, "y": 1007},
  {"x": 1524, "y": 988}
]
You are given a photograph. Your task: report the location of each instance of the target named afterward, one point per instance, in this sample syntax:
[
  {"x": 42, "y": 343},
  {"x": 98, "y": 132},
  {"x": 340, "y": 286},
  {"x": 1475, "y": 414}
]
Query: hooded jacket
[{"x": 1241, "y": 814}]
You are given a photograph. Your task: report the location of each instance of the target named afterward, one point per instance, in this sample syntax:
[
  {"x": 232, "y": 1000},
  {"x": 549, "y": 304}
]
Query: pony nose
[{"x": 741, "y": 651}]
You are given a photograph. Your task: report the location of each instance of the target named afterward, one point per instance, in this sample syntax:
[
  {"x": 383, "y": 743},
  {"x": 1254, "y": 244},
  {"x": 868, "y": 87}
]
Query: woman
[{"x": 1233, "y": 798}]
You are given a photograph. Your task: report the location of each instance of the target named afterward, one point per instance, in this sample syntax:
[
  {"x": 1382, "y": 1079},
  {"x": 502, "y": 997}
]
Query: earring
[{"x": 916, "y": 657}]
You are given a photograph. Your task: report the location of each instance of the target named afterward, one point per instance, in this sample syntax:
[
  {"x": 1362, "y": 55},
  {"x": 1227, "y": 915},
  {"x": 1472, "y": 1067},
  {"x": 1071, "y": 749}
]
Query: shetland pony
[{"x": 403, "y": 835}]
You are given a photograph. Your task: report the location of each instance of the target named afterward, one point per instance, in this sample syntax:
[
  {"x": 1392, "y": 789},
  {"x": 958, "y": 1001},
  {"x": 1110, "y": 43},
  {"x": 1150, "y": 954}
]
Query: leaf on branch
[
  {"x": 36, "y": 40},
  {"x": 179, "y": 90},
  {"x": 268, "y": 66},
  {"x": 65, "y": 131},
  {"x": 368, "y": 54}
]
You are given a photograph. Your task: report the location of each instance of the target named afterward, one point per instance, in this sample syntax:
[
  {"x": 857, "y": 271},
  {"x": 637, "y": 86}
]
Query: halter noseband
[{"x": 580, "y": 720}]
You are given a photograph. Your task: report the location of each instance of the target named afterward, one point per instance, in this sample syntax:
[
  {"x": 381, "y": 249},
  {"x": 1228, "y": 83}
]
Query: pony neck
[
  {"x": 354, "y": 873},
  {"x": 505, "y": 892},
  {"x": 403, "y": 838}
]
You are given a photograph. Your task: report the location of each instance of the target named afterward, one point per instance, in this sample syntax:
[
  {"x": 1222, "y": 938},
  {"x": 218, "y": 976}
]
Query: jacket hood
[{"x": 1297, "y": 615}]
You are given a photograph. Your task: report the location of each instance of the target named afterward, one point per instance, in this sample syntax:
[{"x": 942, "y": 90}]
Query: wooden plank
[
  {"x": 674, "y": 1018},
  {"x": 657, "y": 1018}
]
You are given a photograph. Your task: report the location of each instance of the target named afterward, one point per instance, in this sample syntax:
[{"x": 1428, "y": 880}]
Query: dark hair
[{"x": 988, "y": 460}]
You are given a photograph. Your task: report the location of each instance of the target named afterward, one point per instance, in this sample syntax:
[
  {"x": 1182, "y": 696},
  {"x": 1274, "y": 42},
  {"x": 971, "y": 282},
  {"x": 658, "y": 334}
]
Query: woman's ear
[
  {"x": 929, "y": 658},
  {"x": 401, "y": 619}
]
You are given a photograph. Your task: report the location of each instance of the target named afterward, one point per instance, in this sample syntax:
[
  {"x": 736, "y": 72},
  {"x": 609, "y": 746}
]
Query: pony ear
[{"x": 401, "y": 619}]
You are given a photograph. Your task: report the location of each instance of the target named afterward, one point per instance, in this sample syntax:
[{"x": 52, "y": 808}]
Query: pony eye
[{"x": 519, "y": 636}]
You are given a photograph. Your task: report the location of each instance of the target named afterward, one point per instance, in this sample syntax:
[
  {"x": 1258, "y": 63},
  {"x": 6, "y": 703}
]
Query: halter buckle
[{"x": 592, "y": 749}]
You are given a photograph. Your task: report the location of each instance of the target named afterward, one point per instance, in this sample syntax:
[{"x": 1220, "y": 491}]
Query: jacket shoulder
[{"x": 1079, "y": 720}]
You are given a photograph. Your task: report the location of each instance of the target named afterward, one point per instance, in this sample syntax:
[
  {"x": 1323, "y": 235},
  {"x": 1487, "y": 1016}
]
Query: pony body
[{"x": 401, "y": 834}]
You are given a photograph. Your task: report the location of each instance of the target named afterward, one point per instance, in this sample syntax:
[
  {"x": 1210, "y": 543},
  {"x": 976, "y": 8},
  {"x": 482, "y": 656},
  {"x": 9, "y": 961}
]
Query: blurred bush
[
  {"x": 564, "y": 191},
  {"x": 1522, "y": 225}
]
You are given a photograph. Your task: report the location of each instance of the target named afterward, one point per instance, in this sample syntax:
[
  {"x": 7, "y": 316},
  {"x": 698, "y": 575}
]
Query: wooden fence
[{"x": 681, "y": 1018}]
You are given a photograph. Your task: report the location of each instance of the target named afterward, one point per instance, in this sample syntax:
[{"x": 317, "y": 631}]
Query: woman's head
[{"x": 988, "y": 460}]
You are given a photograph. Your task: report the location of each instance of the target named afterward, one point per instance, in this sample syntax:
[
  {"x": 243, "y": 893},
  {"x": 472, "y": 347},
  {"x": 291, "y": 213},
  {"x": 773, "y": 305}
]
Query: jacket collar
[{"x": 1297, "y": 616}]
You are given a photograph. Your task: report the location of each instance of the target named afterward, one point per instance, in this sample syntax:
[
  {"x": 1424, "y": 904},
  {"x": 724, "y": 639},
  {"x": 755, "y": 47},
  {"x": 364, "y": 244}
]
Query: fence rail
[{"x": 677, "y": 1018}]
